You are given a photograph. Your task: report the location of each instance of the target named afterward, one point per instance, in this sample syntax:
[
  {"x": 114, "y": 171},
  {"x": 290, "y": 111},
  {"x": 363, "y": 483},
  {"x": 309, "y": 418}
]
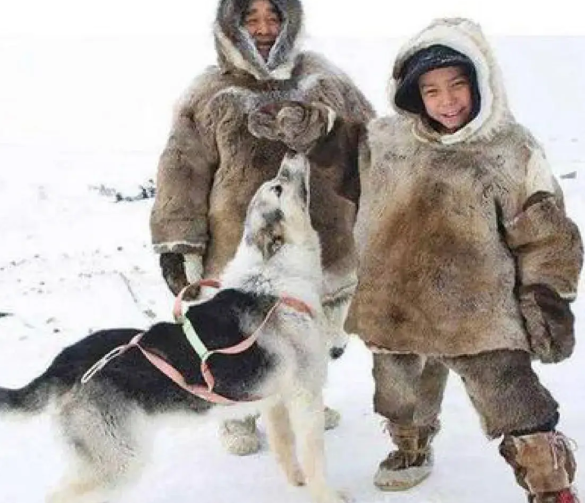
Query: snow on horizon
[{"x": 79, "y": 116}]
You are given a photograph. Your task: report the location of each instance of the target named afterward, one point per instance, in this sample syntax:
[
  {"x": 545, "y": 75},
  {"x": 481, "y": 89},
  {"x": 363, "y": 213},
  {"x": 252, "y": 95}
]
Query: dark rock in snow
[{"x": 145, "y": 191}]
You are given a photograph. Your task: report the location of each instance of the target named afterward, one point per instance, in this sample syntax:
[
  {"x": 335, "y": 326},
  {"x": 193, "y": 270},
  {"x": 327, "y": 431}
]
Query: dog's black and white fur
[{"x": 278, "y": 255}]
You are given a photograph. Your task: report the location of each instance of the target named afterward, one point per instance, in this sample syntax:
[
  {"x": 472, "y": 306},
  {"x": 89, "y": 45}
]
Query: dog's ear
[{"x": 270, "y": 238}]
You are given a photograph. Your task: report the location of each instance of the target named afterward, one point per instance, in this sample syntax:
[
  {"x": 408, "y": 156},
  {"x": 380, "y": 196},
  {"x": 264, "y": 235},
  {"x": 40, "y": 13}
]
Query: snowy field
[{"x": 79, "y": 117}]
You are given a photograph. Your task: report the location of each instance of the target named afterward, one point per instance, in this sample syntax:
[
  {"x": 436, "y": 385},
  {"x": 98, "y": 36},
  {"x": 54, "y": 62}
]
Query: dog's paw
[
  {"x": 333, "y": 496},
  {"x": 295, "y": 476},
  {"x": 345, "y": 497}
]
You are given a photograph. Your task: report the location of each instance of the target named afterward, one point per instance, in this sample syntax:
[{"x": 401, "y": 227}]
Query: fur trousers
[{"x": 502, "y": 386}]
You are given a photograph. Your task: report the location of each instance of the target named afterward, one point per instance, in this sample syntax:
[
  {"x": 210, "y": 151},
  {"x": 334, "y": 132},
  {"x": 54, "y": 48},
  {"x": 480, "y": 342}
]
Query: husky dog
[{"x": 282, "y": 373}]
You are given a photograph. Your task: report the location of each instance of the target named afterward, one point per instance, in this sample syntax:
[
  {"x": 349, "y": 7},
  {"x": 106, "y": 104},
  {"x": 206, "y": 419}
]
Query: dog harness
[{"x": 205, "y": 392}]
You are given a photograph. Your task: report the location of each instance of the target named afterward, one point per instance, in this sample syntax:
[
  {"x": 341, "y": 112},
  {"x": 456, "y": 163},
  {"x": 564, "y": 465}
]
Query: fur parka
[
  {"x": 212, "y": 164},
  {"x": 450, "y": 227}
]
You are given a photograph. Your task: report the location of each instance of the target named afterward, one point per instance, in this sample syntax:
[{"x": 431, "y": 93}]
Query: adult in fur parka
[
  {"x": 468, "y": 263},
  {"x": 230, "y": 132}
]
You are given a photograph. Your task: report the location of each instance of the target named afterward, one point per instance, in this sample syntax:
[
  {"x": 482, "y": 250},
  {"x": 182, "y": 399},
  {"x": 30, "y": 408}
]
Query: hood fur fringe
[
  {"x": 236, "y": 48},
  {"x": 466, "y": 37}
]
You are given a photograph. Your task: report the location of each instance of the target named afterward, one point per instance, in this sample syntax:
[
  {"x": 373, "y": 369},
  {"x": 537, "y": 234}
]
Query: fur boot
[
  {"x": 412, "y": 462},
  {"x": 240, "y": 436},
  {"x": 332, "y": 418},
  {"x": 543, "y": 465}
]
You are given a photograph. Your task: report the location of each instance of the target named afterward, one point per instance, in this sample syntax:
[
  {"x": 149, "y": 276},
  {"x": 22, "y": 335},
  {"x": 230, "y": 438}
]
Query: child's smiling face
[{"x": 446, "y": 94}]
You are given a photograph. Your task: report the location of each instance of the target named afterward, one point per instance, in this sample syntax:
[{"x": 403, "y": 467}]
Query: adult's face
[{"x": 263, "y": 24}]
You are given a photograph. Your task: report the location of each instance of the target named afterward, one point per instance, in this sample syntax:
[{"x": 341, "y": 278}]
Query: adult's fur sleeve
[{"x": 179, "y": 221}]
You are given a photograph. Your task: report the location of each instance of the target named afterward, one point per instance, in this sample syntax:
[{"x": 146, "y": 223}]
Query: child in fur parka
[{"x": 468, "y": 263}]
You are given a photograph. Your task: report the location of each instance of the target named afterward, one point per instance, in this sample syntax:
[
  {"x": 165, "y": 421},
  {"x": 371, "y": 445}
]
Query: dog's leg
[
  {"x": 282, "y": 442},
  {"x": 86, "y": 490},
  {"x": 98, "y": 427},
  {"x": 307, "y": 419}
]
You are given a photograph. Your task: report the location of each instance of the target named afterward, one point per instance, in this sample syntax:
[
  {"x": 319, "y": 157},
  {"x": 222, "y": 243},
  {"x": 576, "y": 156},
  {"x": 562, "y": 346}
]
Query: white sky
[{"x": 373, "y": 18}]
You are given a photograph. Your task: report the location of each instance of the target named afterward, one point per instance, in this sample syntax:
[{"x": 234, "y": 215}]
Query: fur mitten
[
  {"x": 298, "y": 125},
  {"x": 179, "y": 270},
  {"x": 302, "y": 125},
  {"x": 549, "y": 323},
  {"x": 262, "y": 122}
]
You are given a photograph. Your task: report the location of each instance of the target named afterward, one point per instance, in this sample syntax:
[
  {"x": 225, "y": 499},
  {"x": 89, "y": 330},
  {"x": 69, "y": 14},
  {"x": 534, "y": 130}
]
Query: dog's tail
[{"x": 33, "y": 397}]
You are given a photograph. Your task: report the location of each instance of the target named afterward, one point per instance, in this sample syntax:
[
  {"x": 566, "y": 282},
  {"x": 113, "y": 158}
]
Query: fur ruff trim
[
  {"x": 466, "y": 37},
  {"x": 236, "y": 47}
]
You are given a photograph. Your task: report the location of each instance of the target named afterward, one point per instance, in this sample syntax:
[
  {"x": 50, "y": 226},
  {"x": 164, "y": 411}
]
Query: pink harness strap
[
  {"x": 297, "y": 304},
  {"x": 242, "y": 346},
  {"x": 177, "y": 309},
  {"x": 174, "y": 375},
  {"x": 234, "y": 350},
  {"x": 166, "y": 368}
]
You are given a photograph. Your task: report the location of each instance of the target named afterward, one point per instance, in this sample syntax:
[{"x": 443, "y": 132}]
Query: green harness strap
[{"x": 194, "y": 339}]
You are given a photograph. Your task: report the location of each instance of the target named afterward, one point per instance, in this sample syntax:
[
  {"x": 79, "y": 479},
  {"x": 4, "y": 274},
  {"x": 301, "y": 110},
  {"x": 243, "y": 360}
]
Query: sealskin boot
[
  {"x": 412, "y": 462},
  {"x": 543, "y": 464}
]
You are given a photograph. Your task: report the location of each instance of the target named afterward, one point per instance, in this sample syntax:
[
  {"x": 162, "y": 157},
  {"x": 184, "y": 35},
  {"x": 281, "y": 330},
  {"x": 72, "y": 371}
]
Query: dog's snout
[
  {"x": 293, "y": 166},
  {"x": 295, "y": 171},
  {"x": 336, "y": 352}
]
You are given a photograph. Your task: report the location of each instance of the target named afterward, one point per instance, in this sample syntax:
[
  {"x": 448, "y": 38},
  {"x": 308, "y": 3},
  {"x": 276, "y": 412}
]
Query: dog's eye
[{"x": 277, "y": 189}]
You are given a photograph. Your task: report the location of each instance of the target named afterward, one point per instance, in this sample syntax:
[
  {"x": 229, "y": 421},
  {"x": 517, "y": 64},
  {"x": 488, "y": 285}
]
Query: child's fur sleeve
[
  {"x": 546, "y": 242},
  {"x": 549, "y": 254}
]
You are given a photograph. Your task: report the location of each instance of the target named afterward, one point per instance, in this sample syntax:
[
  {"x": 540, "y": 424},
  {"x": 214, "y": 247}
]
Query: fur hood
[
  {"x": 466, "y": 37},
  {"x": 236, "y": 49}
]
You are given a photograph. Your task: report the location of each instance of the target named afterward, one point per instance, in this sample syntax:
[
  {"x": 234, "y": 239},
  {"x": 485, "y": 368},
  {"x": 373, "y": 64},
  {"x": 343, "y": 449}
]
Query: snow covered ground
[{"x": 77, "y": 116}]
